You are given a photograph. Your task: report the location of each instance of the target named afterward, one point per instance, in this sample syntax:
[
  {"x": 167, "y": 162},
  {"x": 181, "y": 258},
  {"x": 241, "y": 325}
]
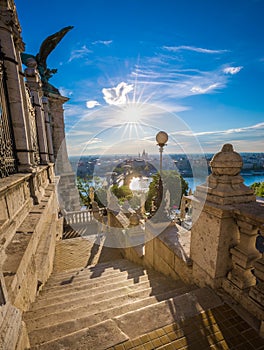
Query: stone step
[
  {"x": 42, "y": 330},
  {"x": 85, "y": 308},
  {"x": 182, "y": 307},
  {"x": 98, "y": 337},
  {"x": 83, "y": 275},
  {"x": 102, "y": 292},
  {"x": 90, "y": 285},
  {"x": 116, "y": 264},
  {"x": 99, "y": 302},
  {"x": 131, "y": 322},
  {"x": 93, "y": 289}
]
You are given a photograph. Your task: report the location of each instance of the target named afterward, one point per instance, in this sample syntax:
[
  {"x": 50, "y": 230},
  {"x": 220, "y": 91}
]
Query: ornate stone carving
[
  {"x": 7, "y": 155},
  {"x": 33, "y": 128}
]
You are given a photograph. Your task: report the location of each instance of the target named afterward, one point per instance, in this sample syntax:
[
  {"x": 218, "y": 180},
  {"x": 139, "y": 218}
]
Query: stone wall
[
  {"x": 29, "y": 228},
  {"x": 168, "y": 252},
  {"x": 29, "y": 222}
]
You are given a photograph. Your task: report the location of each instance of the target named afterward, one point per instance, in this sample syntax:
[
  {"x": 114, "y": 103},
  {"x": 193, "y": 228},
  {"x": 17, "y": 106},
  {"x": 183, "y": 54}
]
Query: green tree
[
  {"x": 171, "y": 181},
  {"x": 258, "y": 188},
  {"x": 84, "y": 185},
  {"x": 122, "y": 193}
]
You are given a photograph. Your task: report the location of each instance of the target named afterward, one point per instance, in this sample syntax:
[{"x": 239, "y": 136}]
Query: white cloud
[
  {"x": 192, "y": 48},
  {"x": 232, "y": 70},
  {"x": 80, "y": 53},
  {"x": 92, "y": 104},
  {"x": 117, "y": 95},
  {"x": 103, "y": 42},
  {"x": 65, "y": 92},
  {"x": 200, "y": 90},
  {"x": 95, "y": 140}
]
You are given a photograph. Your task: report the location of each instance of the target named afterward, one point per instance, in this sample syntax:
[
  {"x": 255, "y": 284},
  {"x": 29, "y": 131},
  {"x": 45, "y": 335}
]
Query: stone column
[
  {"x": 62, "y": 164},
  {"x": 215, "y": 230},
  {"x": 11, "y": 43},
  {"x": 34, "y": 84},
  {"x": 67, "y": 191},
  {"x": 48, "y": 128}
]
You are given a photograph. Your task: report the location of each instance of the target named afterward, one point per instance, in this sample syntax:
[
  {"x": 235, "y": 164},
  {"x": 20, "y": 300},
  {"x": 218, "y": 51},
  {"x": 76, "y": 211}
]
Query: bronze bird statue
[{"x": 47, "y": 46}]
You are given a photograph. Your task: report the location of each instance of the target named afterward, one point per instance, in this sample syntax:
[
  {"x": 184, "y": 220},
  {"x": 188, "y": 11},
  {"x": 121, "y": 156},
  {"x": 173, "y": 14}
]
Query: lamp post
[{"x": 161, "y": 138}]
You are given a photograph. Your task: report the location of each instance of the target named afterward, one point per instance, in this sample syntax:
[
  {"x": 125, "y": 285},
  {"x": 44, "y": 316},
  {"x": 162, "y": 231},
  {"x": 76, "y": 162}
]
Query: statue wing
[{"x": 49, "y": 45}]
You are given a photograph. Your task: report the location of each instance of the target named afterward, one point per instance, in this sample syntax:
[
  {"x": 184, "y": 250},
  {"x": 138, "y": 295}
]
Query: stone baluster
[
  {"x": 244, "y": 255},
  {"x": 257, "y": 291}
]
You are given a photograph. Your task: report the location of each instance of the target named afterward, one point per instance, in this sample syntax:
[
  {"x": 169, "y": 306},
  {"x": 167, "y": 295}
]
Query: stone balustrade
[{"x": 81, "y": 216}]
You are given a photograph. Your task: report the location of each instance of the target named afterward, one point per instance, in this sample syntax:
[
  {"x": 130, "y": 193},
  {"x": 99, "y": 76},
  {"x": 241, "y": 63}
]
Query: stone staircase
[{"x": 103, "y": 305}]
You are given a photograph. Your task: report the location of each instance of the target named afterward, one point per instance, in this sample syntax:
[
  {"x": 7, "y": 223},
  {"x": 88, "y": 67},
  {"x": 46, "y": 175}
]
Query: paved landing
[
  {"x": 80, "y": 252},
  {"x": 218, "y": 328}
]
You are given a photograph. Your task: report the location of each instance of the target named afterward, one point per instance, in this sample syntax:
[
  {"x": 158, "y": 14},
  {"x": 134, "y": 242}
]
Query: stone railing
[
  {"x": 223, "y": 238},
  {"x": 79, "y": 217},
  {"x": 83, "y": 222},
  {"x": 245, "y": 280}
]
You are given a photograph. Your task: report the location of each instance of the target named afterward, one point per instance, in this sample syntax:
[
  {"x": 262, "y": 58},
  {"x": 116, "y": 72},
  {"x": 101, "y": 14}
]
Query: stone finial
[
  {"x": 31, "y": 62},
  {"x": 134, "y": 219},
  {"x": 226, "y": 162},
  {"x": 225, "y": 185},
  {"x": 31, "y": 70}
]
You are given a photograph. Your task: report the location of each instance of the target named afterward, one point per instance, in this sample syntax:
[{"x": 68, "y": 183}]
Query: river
[{"x": 248, "y": 180}]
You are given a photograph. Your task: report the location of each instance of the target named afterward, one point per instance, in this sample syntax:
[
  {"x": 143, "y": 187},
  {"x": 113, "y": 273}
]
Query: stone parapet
[
  {"x": 168, "y": 252},
  {"x": 29, "y": 255},
  {"x": 223, "y": 243}
]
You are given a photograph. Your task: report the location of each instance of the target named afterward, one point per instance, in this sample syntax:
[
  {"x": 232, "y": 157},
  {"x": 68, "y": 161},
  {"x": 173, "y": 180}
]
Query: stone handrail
[
  {"x": 81, "y": 216},
  {"x": 245, "y": 281}
]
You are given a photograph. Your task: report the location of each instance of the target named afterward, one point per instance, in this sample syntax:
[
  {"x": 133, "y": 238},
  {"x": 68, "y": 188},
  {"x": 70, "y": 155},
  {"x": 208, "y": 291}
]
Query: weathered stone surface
[
  {"x": 64, "y": 309},
  {"x": 166, "y": 312}
]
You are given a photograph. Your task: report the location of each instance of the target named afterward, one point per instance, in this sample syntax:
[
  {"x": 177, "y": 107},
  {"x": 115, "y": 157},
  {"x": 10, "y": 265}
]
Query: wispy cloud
[
  {"x": 244, "y": 139},
  {"x": 192, "y": 48},
  {"x": 160, "y": 82},
  {"x": 232, "y": 70},
  {"x": 250, "y": 128},
  {"x": 80, "y": 53},
  {"x": 117, "y": 95},
  {"x": 95, "y": 140},
  {"x": 204, "y": 90},
  {"x": 92, "y": 104},
  {"x": 102, "y": 42}
]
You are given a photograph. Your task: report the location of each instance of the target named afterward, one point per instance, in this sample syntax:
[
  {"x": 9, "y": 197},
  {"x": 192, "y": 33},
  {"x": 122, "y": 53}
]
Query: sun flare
[{"x": 132, "y": 113}]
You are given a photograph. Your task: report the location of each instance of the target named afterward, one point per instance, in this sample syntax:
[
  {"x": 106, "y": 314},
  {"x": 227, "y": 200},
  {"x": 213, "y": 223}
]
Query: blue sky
[{"x": 131, "y": 68}]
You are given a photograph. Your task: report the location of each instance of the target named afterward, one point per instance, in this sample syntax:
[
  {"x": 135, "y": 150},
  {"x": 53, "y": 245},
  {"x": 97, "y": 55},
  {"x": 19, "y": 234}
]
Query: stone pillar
[
  {"x": 34, "y": 84},
  {"x": 48, "y": 128},
  {"x": 215, "y": 230},
  {"x": 62, "y": 164},
  {"x": 11, "y": 44},
  {"x": 67, "y": 191}
]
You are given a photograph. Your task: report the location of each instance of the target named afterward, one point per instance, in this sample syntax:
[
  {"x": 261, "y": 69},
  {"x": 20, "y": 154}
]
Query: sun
[{"x": 131, "y": 113}]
